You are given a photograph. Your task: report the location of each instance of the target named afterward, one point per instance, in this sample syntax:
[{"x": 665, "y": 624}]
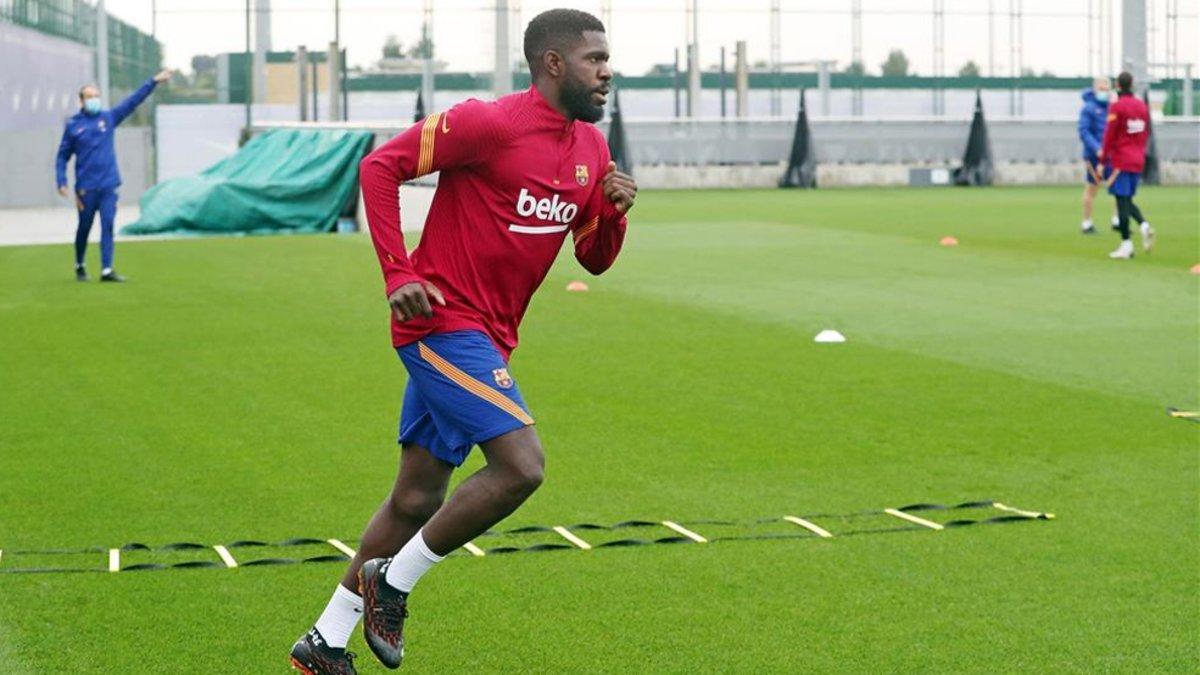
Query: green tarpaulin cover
[{"x": 284, "y": 180}]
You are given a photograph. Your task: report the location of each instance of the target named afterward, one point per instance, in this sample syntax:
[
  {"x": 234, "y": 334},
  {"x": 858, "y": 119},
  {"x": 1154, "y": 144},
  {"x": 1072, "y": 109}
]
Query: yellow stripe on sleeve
[
  {"x": 587, "y": 229},
  {"x": 472, "y": 385},
  {"x": 428, "y": 136}
]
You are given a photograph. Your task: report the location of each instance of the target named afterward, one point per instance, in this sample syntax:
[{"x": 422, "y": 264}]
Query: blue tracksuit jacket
[{"x": 90, "y": 138}]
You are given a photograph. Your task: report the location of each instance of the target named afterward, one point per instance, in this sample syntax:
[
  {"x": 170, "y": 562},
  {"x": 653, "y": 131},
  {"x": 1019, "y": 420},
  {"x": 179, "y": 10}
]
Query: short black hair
[
  {"x": 555, "y": 30},
  {"x": 1125, "y": 82}
]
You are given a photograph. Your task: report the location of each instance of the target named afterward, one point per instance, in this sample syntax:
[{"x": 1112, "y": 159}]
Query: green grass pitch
[{"x": 246, "y": 389}]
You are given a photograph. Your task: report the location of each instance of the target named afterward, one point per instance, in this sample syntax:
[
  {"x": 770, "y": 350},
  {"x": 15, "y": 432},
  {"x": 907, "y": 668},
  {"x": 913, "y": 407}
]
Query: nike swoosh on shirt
[{"x": 445, "y": 127}]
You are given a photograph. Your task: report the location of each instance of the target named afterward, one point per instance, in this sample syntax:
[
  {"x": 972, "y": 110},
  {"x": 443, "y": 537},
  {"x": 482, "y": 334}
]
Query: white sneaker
[
  {"x": 1116, "y": 222},
  {"x": 1147, "y": 237},
  {"x": 1124, "y": 251},
  {"x": 1087, "y": 227}
]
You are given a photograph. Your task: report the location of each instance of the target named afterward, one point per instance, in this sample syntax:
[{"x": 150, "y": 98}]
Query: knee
[
  {"x": 525, "y": 476},
  {"x": 415, "y": 505}
]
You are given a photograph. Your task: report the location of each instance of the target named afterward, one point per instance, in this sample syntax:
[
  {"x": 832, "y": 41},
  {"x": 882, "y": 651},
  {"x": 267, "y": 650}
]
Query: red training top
[
  {"x": 516, "y": 176},
  {"x": 1126, "y": 134}
]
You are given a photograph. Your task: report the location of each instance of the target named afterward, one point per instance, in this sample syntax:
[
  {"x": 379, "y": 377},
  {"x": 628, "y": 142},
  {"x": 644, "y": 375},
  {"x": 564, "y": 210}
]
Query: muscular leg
[
  {"x": 419, "y": 490},
  {"x": 514, "y": 471},
  {"x": 1089, "y": 199}
]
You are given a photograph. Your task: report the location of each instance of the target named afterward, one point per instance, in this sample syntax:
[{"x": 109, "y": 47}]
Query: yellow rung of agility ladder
[
  {"x": 914, "y": 519},
  {"x": 566, "y": 534},
  {"x": 685, "y": 532},
  {"x": 226, "y": 556},
  {"x": 339, "y": 545},
  {"x": 1021, "y": 512},
  {"x": 809, "y": 525}
]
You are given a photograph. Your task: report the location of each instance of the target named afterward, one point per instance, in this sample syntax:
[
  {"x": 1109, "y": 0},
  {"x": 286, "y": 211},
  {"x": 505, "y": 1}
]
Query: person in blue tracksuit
[
  {"x": 88, "y": 135},
  {"x": 1091, "y": 132}
]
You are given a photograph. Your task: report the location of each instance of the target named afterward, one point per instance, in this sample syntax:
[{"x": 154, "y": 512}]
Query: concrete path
[{"x": 55, "y": 225}]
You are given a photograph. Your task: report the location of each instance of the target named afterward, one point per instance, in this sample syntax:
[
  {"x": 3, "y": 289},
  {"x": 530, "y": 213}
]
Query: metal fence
[{"x": 133, "y": 55}]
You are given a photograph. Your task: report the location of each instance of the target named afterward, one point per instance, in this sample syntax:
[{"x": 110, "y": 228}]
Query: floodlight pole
[
  {"x": 502, "y": 80},
  {"x": 992, "y": 37},
  {"x": 102, "y": 49},
  {"x": 856, "y": 57},
  {"x": 693, "y": 58},
  {"x": 723, "y": 109},
  {"x": 249, "y": 70},
  {"x": 939, "y": 56},
  {"x": 776, "y": 58},
  {"x": 1133, "y": 41}
]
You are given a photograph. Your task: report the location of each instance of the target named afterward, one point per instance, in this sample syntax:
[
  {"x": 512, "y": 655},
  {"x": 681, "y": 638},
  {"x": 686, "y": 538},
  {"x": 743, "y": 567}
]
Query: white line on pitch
[
  {"x": 809, "y": 525},
  {"x": 566, "y": 534},
  {"x": 685, "y": 532},
  {"x": 474, "y": 550},
  {"x": 913, "y": 519},
  {"x": 114, "y": 560},
  {"x": 339, "y": 545},
  {"x": 225, "y": 556},
  {"x": 1021, "y": 512}
]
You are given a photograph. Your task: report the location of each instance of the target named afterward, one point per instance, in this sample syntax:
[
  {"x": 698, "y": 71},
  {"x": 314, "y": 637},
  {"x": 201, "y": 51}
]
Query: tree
[
  {"x": 392, "y": 49},
  {"x": 203, "y": 63},
  {"x": 969, "y": 69},
  {"x": 424, "y": 48},
  {"x": 855, "y": 68},
  {"x": 896, "y": 64}
]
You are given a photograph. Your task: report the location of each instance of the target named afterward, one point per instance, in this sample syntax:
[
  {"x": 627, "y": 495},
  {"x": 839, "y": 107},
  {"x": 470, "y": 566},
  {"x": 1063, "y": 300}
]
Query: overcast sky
[{"x": 646, "y": 32}]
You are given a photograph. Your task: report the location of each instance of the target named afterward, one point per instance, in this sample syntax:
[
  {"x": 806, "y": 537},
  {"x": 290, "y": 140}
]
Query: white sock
[
  {"x": 413, "y": 561},
  {"x": 106, "y": 270},
  {"x": 1087, "y": 224},
  {"x": 340, "y": 617},
  {"x": 1145, "y": 227},
  {"x": 1116, "y": 220}
]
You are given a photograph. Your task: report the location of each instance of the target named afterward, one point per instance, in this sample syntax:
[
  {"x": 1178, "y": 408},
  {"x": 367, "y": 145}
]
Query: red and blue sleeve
[
  {"x": 600, "y": 231},
  {"x": 464, "y": 135}
]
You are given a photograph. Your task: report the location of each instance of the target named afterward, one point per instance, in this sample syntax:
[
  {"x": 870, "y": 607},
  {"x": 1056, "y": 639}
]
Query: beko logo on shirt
[
  {"x": 1135, "y": 126},
  {"x": 545, "y": 209}
]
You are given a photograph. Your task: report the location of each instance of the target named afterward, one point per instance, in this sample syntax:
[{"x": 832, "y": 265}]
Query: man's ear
[{"x": 553, "y": 61}]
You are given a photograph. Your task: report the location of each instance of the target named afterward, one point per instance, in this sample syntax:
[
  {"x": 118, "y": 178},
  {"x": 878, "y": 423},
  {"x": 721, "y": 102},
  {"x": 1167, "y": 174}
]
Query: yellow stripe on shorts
[{"x": 472, "y": 385}]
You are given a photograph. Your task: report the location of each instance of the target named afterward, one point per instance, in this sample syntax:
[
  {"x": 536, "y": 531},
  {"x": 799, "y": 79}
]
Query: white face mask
[{"x": 92, "y": 104}]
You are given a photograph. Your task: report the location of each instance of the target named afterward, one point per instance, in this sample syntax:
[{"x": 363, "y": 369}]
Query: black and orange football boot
[
  {"x": 384, "y": 610},
  {"x": 312, "y": 656}
]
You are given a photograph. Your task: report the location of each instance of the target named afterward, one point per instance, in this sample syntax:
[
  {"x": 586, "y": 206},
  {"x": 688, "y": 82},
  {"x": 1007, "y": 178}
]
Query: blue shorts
[
  {"x": 459, "y": 394},
  {"x": 1104, "y": 170},
  {"x": 1125, "y": 185}
]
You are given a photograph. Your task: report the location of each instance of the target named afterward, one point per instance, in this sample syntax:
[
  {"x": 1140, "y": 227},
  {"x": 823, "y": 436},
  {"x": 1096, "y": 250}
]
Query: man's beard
[{"x": 577, "y": 98}]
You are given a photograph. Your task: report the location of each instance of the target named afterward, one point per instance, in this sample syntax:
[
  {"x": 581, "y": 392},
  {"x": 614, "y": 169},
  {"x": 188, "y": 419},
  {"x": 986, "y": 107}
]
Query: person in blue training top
[
  {"x": 1091, "y": 132},
  {"x": 89, "y": 136}
]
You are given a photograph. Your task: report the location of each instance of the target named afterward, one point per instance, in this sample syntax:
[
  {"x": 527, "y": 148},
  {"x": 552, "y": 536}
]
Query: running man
[
  {"x": 1124, "y": 148},
  {"x": 1091, "y": 134},
  {"x": 88, "y": 135},
  {"x": 516, "y": 176}
]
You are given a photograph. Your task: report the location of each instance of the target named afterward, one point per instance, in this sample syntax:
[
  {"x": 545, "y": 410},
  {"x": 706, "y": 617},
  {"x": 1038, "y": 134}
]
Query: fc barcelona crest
[
  {"x": 501, "y": 375},
  {"x": 581, "y": 174}
]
